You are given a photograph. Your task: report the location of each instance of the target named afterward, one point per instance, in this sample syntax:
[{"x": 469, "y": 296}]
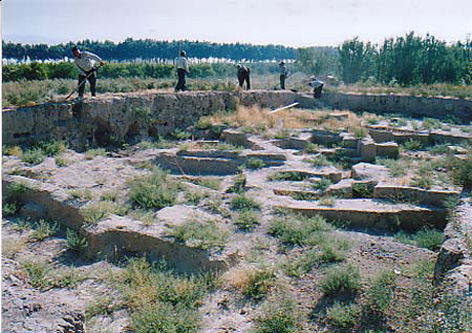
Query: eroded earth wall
[{"x": 120, "y": 117}]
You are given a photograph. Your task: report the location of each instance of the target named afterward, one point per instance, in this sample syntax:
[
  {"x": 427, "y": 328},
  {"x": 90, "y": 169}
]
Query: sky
[{"x": 287, "y": 22}]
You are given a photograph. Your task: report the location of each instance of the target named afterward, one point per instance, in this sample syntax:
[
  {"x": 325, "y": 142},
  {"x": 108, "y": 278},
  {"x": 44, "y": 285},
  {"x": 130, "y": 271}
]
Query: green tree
[{"x": 356, "y": 60}]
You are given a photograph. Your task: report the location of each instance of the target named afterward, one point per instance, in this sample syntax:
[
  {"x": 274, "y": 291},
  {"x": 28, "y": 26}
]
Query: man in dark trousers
[
  {"x": 283, "y": 74},
  {"x": 243, "y": 75},
  {"x": 85, "y": 62},
  {"x": 182, "y": 70},
  {"x": 317, "y": 87}
]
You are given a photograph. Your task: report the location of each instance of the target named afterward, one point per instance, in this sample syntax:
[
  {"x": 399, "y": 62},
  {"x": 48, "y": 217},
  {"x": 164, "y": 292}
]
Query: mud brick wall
[
  {"x": 114, "y": 118},
  {"x": 119, "y": 117}
]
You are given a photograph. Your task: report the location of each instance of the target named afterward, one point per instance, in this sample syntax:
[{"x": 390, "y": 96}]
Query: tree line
[
  {"x": 148, "y": 49},
  {"x": 405, "y": 60}
]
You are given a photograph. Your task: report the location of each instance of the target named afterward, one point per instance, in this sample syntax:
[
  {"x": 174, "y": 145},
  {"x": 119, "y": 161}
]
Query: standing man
[
  {"x": 243, "y": 75},
  {"x": 182, "y": 69},
  {"x": 317, "y": 87},
  {"x": 283, "y": 74},
  {"x": 85, "y": 62}
]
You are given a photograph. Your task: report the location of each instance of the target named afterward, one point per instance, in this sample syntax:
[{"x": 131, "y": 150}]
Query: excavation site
[{"x": 238, "y": 211}]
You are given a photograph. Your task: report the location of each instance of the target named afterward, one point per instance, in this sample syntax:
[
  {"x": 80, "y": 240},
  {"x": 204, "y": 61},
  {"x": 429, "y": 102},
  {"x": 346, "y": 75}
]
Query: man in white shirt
[
  {"x": 182, "y": 69},
  {"x": 85, "y": 62},
  {"x": 317, "y": 87},
  {"x": 283, "y": 74}
]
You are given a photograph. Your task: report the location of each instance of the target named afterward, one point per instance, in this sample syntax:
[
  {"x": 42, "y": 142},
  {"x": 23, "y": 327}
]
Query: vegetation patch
[
  {"x": 98, "y": 211},
  {"x": 247, "y": 220},
  {"x": 430, "y": 239},
  {"x": 293, "y": 176},
  {"x": 242, "y": 202},
  {"x": 203, "y": 235},
  {"x": 297, "y": 229},
  {"x": 153, "y": 192},
  {"x": 75, "y": 241},
  {"x": 160, "y": 300},
  {"x": 341, "y": 280},
  {"x": 278, "y": 314},
  {"x": 43, "y": 230}
]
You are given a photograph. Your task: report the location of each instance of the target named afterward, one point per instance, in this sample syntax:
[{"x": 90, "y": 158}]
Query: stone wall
[
  {"x": 408, "y": 105},
  {"x": 114, "y": 118}
]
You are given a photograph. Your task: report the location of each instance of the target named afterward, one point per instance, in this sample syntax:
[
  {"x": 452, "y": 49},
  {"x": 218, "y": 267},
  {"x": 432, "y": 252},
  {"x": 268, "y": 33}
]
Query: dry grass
[
  {"x": 11, "y": 247},
  {"x": 237, "y": 277},
  {"x": 263, "y": 119}
]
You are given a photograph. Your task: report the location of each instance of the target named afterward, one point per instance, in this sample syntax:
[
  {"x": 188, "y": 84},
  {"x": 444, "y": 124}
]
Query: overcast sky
[{"x": 287, "y": 22}]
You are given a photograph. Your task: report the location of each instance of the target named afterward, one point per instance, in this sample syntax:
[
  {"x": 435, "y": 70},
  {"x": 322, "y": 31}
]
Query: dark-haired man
[
  {"x": 243, "y": 75},
  {"x": 85, "y": 62}
]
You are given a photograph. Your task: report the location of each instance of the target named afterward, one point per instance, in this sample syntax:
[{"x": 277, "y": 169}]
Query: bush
[
  {"x": 255, "y": 163},
  {"x": 322, "y": 184},
  {"x": 239, "y": 183},
  {"x": 341, "y": 279},
  {"x": 247, "y": 220},
  {"x": 278, "y": 316},
  {"x": 344, "y": 316},
  {"x": 242, "y": 202},
  {"x": 204, "y": 235},
  {"x": 290, "y": 176},
  {"x": 75, "y": 242},
  {"x": 429, "y": 239},
  {"x": 37, "y": 272},
  {"x": 164, "y": 317},
  {"x": 297, "y": 230},
  {"x": 153, "y": 192},
  {"x": 396, "y": 168},
  {"x": 412, "y": 144},
  {"x": 381, "y": 291},
  {"x": 43, "y": 230},
  {"x": 98, "y": 211},
  {"x": 161, "y": 301},
  {"x": 362, "y": 190},
  {"x": 33, "y": 156},
  {"x": 260, "y": 281}
]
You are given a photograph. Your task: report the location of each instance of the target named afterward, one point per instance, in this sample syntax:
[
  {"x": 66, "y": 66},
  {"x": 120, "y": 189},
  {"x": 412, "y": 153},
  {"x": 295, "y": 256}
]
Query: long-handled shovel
[{"x": 83, "y": 82}]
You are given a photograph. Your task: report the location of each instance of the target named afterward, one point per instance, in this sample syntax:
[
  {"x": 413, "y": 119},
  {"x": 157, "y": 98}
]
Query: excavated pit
[{"x": 112, "y": 120}]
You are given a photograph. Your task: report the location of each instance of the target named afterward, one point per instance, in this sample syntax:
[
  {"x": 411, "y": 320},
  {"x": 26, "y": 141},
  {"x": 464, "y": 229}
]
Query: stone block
[
  {"x": 367, "y": 149},
  {"x": 373, "y": 213},
  {"x": 118, "y": 236},
  {"x": 349, "y": 141},
  {"x": 432, "y": 197},
  {"x": 236, "y": 138},
  {"x": 367, "y": 171},
  {"x": 34, "y": 210},
  {"x": 325, "y": 137},
  {"x": 387, "y": 149},
  {"x": 342, "y": 189},
  {"x": 380, "y": 135}
]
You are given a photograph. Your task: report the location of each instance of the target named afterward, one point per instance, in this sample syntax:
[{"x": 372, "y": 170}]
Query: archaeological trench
[{"x": 361, "y": 192}]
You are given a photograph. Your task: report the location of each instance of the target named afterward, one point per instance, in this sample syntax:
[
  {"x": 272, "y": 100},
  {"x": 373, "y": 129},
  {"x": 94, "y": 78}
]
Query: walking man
[
  {"x": 182, "y": 70},
  {"x": 85, "y": 62},
  {"x": 283, "y": 74},
  {"x": 243, "y": 75},
  {"x": 317, "y": 87}
]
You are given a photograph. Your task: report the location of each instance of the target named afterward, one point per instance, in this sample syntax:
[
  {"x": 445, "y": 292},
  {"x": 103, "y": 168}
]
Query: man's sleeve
[{"x": 93, "y": 56}]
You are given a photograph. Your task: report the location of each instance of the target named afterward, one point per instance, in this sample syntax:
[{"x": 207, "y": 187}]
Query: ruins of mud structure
[{"x": 208, "y": 212}]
